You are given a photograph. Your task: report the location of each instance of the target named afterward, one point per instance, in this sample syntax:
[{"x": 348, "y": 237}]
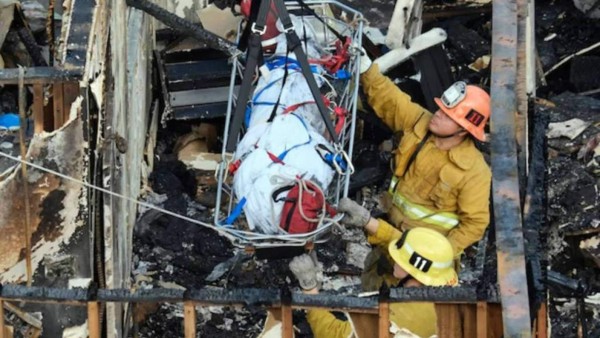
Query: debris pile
[{"x": 574, "y": 207}]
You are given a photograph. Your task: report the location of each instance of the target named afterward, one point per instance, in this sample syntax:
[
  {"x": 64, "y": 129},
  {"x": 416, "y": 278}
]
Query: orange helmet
[{"x": 467, "y": 105}]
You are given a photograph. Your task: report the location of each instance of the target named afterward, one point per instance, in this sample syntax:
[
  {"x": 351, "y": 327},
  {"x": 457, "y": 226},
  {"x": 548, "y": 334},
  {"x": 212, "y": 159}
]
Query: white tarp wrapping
[{"x": 273, "y": 154}]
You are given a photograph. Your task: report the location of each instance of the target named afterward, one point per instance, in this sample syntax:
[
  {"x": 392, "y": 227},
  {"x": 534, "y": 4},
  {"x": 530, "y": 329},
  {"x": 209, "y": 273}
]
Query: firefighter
[
  {"x": 421, "y": 256},
  {"x": 441, "y": 180}
]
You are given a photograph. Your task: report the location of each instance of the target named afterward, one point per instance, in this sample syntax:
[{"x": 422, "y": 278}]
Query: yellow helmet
[{"x": 426, "y": 255}]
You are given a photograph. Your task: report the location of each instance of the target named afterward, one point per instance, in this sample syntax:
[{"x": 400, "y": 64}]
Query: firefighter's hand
[
  {"x": 355, "y": 214},
  {"x": 308, "y": 270}
]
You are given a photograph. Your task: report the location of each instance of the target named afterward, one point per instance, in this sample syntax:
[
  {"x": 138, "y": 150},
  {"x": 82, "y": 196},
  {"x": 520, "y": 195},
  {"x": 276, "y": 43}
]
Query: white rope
[
  {"x": 233, "y": 235},
  {"x": 112, "y": 193}
]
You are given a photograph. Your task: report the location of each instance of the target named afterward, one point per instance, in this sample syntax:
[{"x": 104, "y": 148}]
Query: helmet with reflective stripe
[
  {"x": 467, "y": 105},
  {"x": 426, "y": 255}
]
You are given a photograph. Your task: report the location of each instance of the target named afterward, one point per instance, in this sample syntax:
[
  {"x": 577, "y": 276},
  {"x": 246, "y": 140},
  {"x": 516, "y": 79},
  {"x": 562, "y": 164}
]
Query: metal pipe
[{"x": 505, "y": 181}]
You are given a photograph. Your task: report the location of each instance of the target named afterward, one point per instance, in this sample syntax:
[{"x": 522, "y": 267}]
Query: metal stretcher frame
[{"x": 242, "y": 238}]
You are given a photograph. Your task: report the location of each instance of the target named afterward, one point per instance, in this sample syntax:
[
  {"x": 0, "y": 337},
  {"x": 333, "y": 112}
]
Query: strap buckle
[
  {"x": 257, "y": 29},
  {"x": 289, "y": 28}
]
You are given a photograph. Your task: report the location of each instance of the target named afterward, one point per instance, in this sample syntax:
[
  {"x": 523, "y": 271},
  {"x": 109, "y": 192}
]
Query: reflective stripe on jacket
[
  {"x": 416, "y": 212},
  {"x": 455, "y": 181}
]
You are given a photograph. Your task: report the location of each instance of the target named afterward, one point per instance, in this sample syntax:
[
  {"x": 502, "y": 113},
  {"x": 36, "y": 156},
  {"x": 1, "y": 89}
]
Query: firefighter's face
[
  {"x": 401, "y": 274},
  {"x": 441, "y": 124}
]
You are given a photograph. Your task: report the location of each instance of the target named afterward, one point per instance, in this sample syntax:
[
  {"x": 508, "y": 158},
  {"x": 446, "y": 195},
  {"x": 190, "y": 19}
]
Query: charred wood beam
[
  {"x": 534, "y": 212},
  {"x": 26, "y": 36},
  {"x": 248, "y": 296},
  {"x": 512, "y": 275},
  {"x": 433, "y": 13},
  {"x": 40, "y": 75},
  {"x": 79, "y": 32},
  {"x": 184, "y": 26}
]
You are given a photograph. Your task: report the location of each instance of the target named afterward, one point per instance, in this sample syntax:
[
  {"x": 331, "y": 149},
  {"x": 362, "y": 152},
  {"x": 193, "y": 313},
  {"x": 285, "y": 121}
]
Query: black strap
[
  {"x": 255, "y": 51},
  {"x": 312, "y": 11},
  {"x": 254, "y": 59},
  {"x": 283, "y": 81},
  {"x": 254, "y": 7},
  {"x": 413, "y": 156},
  {"x": 279, "y": 191},
  {"x": 295, "y": 45}
]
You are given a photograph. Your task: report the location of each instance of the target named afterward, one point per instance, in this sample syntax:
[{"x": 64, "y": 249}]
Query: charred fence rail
[{"x": 450, "y": 298}]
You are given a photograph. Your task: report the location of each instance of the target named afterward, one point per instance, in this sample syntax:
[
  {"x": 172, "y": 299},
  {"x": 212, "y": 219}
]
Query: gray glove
[
  {"x": 308, "y": 271},
  {"x": 356, "y": 215},
  {"x": 365, "y": 61}
]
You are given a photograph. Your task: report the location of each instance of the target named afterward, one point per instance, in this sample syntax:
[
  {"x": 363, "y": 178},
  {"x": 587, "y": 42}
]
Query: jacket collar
[{"x": 464, "y": 154}]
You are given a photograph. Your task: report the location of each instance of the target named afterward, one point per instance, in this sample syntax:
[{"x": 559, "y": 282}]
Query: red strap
[
  {"x": 292, "y": 108},
  {"x": 234, "y": 166},
  {"x": 340, "y": 113},
  {"x": 274, "y": 158}
]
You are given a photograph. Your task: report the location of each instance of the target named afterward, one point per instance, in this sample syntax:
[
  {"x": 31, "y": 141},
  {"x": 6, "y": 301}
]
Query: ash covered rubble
[
  {"x": 573, "y": 178},
  {"x": 572, "y": 107}
]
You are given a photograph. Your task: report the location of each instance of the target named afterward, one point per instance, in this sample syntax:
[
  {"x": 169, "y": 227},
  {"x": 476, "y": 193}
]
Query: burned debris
[{"x": 133, "y": 203}]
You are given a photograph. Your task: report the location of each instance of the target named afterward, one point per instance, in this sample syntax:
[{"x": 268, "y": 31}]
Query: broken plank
[
  {"x": 57, "y": 100},
  {"x": 38, "y": 108},
  {"x": 93, "y": 309},
  {"x": 189, "y": 315}
]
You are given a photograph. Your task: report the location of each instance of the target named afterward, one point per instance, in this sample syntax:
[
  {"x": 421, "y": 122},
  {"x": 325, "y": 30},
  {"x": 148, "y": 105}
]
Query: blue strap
[
  {"x": 236, "y": 212},
  {"x": 284, "y": 154}
]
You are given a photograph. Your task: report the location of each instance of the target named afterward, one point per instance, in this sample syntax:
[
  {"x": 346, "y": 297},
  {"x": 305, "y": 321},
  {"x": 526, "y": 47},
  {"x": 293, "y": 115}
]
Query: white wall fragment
[{"x": 571, "y": 128}]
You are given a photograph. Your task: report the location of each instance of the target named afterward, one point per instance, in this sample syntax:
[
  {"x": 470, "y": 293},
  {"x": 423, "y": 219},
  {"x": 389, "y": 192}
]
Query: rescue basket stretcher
[{"x": 337, "y": 75}]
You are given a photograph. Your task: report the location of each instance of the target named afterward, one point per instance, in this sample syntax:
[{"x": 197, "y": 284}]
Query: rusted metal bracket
[
  {"x": 184, "y": 26},
  {"x": 505, "y": 181}
]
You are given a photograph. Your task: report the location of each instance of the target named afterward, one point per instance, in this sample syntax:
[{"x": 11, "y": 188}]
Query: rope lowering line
[{"x": 232, "y": 234}]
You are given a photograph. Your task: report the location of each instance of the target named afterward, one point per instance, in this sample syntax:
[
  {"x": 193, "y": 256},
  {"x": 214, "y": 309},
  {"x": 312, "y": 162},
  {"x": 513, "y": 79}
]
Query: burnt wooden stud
[
  {"x": 384, "y": 320},
  {"x": 287, "y": 324},
  {"x": 189, "y": 317},
  {"x": 93, "y": 310},
  {"x": 2, "y": 326},
  {"x": 59, "y": 120},
  {"x": 448, "y": 320},
  {"x": 542, "y": 322},
  {"x": 38, "y": 108},
  {"x": 70, "y": 93},
  {"x": 482, "y": 320}
]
